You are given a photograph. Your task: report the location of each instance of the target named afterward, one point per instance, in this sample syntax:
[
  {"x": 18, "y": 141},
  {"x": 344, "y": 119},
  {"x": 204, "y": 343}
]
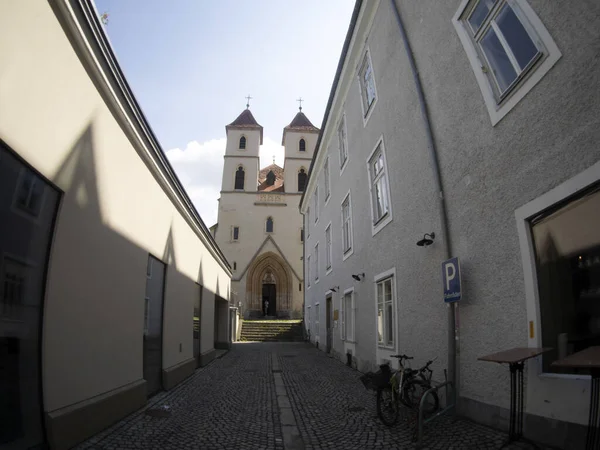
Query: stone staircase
[{"x": 272, "y": 331}]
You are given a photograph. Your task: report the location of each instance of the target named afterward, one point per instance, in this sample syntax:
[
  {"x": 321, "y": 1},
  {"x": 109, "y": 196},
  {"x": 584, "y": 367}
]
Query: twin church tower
[{"x": 259, "y": 225}]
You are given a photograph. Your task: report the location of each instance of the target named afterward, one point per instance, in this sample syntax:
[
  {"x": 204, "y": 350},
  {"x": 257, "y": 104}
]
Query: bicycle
[{"x": 407, "y": 386}]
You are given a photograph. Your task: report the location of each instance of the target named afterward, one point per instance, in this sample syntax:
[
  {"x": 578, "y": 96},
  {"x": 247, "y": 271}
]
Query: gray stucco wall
[{"x": 487, "y": 172}]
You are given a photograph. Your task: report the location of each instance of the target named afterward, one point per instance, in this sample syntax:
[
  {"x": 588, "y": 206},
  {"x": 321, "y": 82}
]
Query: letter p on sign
[{"x": 451, "y": 280}]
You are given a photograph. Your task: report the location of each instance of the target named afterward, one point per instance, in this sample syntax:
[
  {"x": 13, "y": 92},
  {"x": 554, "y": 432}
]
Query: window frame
[
  {"x": 316, "y": 203},
  {"x": 301, "y": 171},
  {"x": 347, "y": 253},
  {"x": 329, "y": 249},
  {"x": 316, "y": 263},
  {"x": 235, "y": 238},
  {"x": 366, "y": 61},
  {"x": 327, "y": 181},
  {"x": 308, "y": 271},
  {"x": 346, "y": 318},
  {"x": 307, "y": 227},
  {"x": 377, "y": 279},
  {"x": 555, "y": 196},
  {"x": 500, "y": 105},
  {"x": 300, "y": 142},
  {"x": 378, "y": 224},
  {"x": 272, "y": 225},
  {"x": 243, "y": 136},
  {"x": 342, "y": 134}
]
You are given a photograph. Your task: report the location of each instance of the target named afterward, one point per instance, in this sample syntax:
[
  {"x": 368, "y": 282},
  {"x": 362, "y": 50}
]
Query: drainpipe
[{"x": 452, "y": 334}]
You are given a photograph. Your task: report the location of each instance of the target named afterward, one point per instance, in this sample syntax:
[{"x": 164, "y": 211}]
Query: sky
[{"x": 191, "y": 63}]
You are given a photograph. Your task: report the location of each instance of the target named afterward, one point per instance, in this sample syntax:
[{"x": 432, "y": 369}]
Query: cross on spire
[
  {"x": 248, "y": 102},
  {"x": 300, "y": 102}
]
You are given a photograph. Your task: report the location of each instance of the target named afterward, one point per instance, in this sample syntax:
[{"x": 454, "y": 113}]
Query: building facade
[
  {"x": 111, "y": 286},
  {"x": 474, "y": 122},
  {"x": 259, "y": 226}
]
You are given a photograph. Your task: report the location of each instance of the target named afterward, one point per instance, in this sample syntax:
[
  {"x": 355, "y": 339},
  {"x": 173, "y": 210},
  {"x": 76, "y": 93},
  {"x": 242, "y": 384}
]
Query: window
[
  {"x": 328, "y": 243},
  {"x": 316, "y": 262},
  {"x": 308, "y": 221},
  {"x": 242, "y": 143},
  {"x": 269, "y": 225},
  {"x": 13, "y": 288},
  {"x": 385, "y": 312},
  {"x": 30, "y": 192},
  {"x": 301, "y": 235},
  {"x": 308, "y": 270},
  {"x": 316, "y": 205},
  {"x": 367, "y": 84},
  {"x": 326, "y": 173},
  {"x": 566, "y": 241},
  {"x": 302, "y": 145},
  {"x": 508, "y": 47},
  {"x": 347, "y": 316},
  {"x": 234, "y": 265},
  {"x": 271, "y": 178},
  {"x": 346, "y": 225},
  {"x": 301, "y": 180},
  {"x": 317, "y": 312},
  {"x": 342, "y": 141},
  {"x": 380, "y": 206},
  {"x": 239, "y": 178},
  {"x": 236, "y": 233}
]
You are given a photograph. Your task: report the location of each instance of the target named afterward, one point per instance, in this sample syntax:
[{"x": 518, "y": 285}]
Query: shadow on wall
[{"x": 94, "y": 307}]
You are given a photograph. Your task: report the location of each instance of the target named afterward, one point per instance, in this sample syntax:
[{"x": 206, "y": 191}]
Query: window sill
[
  {"x": 386, "y": 347},
  {"x": 348, "y": 254},
  {"x": 381, "y": 223},
  {"x": 343, "y": 167},
  {"x": 328, "y": 271}
]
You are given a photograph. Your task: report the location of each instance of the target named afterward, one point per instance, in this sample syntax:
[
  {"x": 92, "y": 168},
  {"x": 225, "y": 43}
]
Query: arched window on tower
[
  {"x": 271, "y": 178},
  {"x": 301, "y": 180},
  {"x": 242, "y": 142},
  {"x": 269, "y": 226},
  {"x": 239, "y": 178},
  {"x": 302, "y": 145}
]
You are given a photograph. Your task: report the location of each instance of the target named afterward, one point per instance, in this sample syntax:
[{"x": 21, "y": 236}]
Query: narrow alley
[{"x": 238, "y": 402}]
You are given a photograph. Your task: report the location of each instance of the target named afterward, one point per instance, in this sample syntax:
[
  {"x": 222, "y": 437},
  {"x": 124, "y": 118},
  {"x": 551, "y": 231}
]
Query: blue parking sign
[{"x": 451, "y": 280}]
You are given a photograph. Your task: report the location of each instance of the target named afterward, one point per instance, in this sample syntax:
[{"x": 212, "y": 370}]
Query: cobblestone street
[{"x": 276, "y": 396}]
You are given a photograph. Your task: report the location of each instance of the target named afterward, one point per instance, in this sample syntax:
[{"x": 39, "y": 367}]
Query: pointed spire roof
[
  {"x": 300, "y": 123},
  {"x": 246, "y": 121}
]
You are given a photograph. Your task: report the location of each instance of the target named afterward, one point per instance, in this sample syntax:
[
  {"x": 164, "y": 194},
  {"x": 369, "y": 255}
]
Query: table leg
[{"x": 593, "y": 434}]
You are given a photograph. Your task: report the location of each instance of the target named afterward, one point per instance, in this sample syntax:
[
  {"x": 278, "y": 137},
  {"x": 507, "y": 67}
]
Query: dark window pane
[
  {"x": 239, "y": 178},
  {"x": 269, "y": 225},
  {"x": 302, "y": 145},
  {"x": 301, "y": 180},
  {"x": 243, "y": 142},
  {"x": 517, "y": 37},
  {"x": 236, "y": 233},
  {"x": 500, "y": 64},
  {"x": 480, "y": 12},
  {"x": 567, "y": 247}
]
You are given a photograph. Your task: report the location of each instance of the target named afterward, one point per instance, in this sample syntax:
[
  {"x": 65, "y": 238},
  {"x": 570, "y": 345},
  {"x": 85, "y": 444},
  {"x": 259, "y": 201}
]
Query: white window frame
[
  {"x": 308, "y": 271},
  {"x": 345, "y": 317},
  {"x": 378, "y": 224},
  {"x": 327, "y": 175},
  {"x": 307, "y": 228},
  {"x": 316, "y": 203},
  {"x": 342, "y": 134},
  {"x": 499, "y": 107},
  {"x": 316, "y": 263},
  {"x": 381, "y": 277},
  {"x": 329, "y": 249},
  {"x": 366, "y": 61},
  {"x": 347, "y": 253},
  {"x": 523, "y": 214}
]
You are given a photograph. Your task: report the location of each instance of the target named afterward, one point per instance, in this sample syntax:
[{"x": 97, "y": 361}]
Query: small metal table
[
  {"x": 588, "y": 359},
  {"x": 515, "y": 358}
]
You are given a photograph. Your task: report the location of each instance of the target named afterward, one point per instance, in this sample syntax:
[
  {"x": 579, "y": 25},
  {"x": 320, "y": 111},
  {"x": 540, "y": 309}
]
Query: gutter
[
  {"x": 443, "y": 210},
  {"x": 79, "y": 19},
  {"x": 336, "y": 80}
]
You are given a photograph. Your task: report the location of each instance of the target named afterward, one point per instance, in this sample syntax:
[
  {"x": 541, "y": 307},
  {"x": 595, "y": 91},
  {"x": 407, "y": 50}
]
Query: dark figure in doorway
[{"x": 266, "y": 307}]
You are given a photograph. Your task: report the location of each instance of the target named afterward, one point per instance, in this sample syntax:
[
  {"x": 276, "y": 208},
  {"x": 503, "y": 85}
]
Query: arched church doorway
[{"x": 269, "y": 279}]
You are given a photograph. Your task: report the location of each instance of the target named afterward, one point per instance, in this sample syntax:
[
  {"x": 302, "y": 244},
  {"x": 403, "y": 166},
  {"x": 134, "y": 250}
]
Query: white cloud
[{"x": 200, "y": 169}]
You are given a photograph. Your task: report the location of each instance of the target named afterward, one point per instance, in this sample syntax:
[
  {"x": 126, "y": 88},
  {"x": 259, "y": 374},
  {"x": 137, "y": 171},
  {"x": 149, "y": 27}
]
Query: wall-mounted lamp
[
  {"x": 359, "y": 277},
  {"x": 426, "y": 240},
  {"x": 334, "y": 289}
]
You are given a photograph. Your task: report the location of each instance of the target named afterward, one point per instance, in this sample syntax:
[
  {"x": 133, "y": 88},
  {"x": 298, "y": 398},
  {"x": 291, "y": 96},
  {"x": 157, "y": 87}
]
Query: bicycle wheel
[
  {"x": 414, "y": 390},
  {"x": 387, "y": 408}
]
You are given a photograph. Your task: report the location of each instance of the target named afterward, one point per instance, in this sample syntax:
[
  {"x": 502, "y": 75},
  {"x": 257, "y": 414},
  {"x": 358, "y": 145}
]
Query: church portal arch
[{"x": 269, "y": 269}]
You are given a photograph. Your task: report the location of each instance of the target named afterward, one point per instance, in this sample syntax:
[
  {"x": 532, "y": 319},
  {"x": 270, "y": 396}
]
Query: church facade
[{"x": 260, "y": 228}]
